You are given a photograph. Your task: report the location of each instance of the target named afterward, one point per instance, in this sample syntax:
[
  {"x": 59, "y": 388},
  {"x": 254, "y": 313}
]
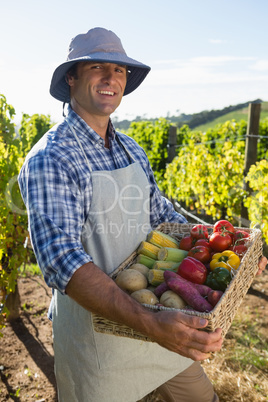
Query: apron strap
[{"x": 129, "y": 154}]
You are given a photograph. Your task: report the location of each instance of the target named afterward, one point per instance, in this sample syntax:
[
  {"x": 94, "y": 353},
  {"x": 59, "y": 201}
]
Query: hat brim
[{"x": 59, "y": 88}]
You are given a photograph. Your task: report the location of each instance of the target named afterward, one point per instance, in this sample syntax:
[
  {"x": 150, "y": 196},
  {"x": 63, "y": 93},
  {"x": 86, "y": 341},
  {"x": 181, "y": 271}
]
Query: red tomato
[
  {"x": 203, "y": 242},
  {"x": 240, "y": 250},
  {"x": 224, "y": 226},
  {"x": 220, "y": 241},
  {"x": 199, "y": 232},
  {"x": 193, "y": 270},
  {"x": 240, "y": 236},
  {"x": 201, "y": 253},
  {"x": 186, "y": 243}
]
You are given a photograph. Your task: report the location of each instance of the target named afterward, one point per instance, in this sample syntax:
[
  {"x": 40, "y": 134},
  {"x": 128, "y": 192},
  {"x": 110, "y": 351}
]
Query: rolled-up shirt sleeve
[{"x": 55, "y": 207}]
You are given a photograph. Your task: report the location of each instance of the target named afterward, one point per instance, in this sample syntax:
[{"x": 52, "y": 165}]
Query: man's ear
[{"x": 69, "y": 79}]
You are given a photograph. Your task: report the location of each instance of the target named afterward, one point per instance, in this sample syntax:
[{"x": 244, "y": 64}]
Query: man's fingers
[
  {"x": 186, "y": 336},
  {"x": 192, "y": 321},
  {"x": 262, "y": 265},
  {"x": 195, "y": 355},
  {"x": 200, "y": 351},
  {"x": 205, "y": 342}
]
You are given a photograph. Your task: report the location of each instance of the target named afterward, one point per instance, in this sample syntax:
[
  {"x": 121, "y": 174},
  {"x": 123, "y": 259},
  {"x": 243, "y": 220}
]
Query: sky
[{"x": 203, "y": 54}]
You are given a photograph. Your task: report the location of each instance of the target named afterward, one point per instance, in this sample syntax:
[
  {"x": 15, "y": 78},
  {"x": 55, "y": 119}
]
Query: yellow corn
[
  {"x": 143, "y": 259},
  {"x": 171, "y": 254},
  {"x": 161, "y": 239},
  {"x": 171, "y": 265},
  {"x": 148, "y": 249},
  {"x": 155, "y": 277}
]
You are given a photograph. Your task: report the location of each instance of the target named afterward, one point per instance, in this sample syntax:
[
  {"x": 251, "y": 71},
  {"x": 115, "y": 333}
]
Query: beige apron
[{"x": 96, "y": 367}]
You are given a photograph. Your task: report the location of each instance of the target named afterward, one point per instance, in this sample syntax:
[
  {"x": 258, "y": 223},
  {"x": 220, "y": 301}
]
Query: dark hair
[{"x": 72, "y": 71}]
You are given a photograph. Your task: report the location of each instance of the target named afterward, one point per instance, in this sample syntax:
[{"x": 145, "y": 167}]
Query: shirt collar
[{"x": 82, "y": 127}]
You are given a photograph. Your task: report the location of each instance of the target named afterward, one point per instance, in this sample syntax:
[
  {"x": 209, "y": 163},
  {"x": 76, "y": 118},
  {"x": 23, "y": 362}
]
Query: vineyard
[
  {"x": 207, "y": 174},
  {"x": 206, "y": 177}
]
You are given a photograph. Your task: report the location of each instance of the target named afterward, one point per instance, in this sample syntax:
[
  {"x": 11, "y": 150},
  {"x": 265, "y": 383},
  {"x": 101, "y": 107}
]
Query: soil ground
[{"x": 26, "y": 350}]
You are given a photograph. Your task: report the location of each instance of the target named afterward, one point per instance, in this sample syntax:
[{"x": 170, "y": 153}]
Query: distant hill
[
  {"x": 239, "y": 114},
  {"x": 207, "y": 118}
]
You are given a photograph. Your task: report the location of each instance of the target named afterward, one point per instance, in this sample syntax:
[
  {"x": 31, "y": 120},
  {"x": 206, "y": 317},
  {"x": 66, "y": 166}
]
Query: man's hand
[
  {"x": 262, "y": 265},
  {"x": 181, "y": 333}
]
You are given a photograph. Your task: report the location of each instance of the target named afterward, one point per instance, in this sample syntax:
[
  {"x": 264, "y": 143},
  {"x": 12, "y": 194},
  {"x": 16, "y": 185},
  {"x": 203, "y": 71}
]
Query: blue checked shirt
[{"x": 55, "y": 183}]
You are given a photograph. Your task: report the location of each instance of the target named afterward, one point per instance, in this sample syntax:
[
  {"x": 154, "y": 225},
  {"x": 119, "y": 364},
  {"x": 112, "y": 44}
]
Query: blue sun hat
[{"x": 101, "y": 45}]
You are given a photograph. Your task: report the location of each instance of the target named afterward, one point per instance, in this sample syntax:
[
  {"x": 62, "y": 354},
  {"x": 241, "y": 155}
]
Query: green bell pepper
[{"x": 218, "y": 279}]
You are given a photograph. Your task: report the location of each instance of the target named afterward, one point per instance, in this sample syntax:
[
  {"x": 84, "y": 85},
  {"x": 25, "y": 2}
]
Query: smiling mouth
[{"x": 110, "y": 93}]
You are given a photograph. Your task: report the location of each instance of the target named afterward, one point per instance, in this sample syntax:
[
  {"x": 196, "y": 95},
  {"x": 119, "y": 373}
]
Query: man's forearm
[{"x": 98, "y": 293}]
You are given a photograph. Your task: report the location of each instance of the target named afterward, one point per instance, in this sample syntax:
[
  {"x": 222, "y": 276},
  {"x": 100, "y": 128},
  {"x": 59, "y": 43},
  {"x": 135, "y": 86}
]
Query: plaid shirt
[{"x": 56, "y": 187}]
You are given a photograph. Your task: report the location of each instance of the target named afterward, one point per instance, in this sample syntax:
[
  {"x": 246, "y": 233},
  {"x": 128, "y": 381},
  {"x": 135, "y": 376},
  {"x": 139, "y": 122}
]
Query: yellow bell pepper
[{"x": 227, "y": 259}]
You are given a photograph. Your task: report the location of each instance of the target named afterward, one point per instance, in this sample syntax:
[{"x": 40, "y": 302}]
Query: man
[{"x": 91, "y": 198}]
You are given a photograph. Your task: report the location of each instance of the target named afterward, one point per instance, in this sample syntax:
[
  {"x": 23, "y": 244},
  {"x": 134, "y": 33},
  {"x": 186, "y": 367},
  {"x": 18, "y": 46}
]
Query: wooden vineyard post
[
  {"x": 250, "y": 150},
  {"x": 172, "y": 143}
]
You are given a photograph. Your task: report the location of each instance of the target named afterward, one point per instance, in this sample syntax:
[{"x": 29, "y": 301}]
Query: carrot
[
  {"x": 202, "y": 289},
  {"x": 189, "y": 294}
]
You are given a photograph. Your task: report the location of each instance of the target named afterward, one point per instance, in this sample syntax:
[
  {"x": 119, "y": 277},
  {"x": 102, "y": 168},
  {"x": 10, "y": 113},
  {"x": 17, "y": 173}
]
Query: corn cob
[
  {"x": 171, "y": 265},
  {"x": 156, "y": 277},
  {"x": 161, "y": 239},
  {"x": 143, "y": 259},
  {"x": 171, "y": 254},
  {"x": 148, "y": 249}
]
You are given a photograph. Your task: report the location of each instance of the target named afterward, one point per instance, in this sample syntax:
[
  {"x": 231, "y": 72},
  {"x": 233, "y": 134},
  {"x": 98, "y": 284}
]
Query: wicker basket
[{"x": 223, "y": 313}]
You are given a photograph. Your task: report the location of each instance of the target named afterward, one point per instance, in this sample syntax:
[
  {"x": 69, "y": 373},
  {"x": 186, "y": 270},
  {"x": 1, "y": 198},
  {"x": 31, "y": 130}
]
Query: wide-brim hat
[{"x": 101, "y": 45}]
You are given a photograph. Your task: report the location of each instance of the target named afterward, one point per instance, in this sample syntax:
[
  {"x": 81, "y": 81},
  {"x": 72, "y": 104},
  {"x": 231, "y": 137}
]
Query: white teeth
[{"x": 106, "y": 93}]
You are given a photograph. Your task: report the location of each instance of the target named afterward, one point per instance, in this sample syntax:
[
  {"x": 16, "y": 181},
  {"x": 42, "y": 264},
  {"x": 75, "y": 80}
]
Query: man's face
[{"x": 98, "y": 88}]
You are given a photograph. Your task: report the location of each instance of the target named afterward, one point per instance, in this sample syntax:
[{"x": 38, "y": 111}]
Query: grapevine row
[{"x": 206, "y": 175}]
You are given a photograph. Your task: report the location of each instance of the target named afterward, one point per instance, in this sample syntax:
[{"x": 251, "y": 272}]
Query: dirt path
[
  {"x": 26, "y": 348},
  {"x": 26, "y": 352}
]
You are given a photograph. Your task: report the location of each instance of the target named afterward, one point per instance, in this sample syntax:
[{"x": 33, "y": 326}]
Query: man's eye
[{"x": 120, "y": 70}]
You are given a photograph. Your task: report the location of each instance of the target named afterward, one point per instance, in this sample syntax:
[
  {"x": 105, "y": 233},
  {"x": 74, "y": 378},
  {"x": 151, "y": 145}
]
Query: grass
[
  {"x": 240, "y": 369},
  {"x": 250, "y": 345}
]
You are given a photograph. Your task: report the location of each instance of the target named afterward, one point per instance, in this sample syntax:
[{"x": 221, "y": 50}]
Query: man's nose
[{"x": 108, "y": 75}]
